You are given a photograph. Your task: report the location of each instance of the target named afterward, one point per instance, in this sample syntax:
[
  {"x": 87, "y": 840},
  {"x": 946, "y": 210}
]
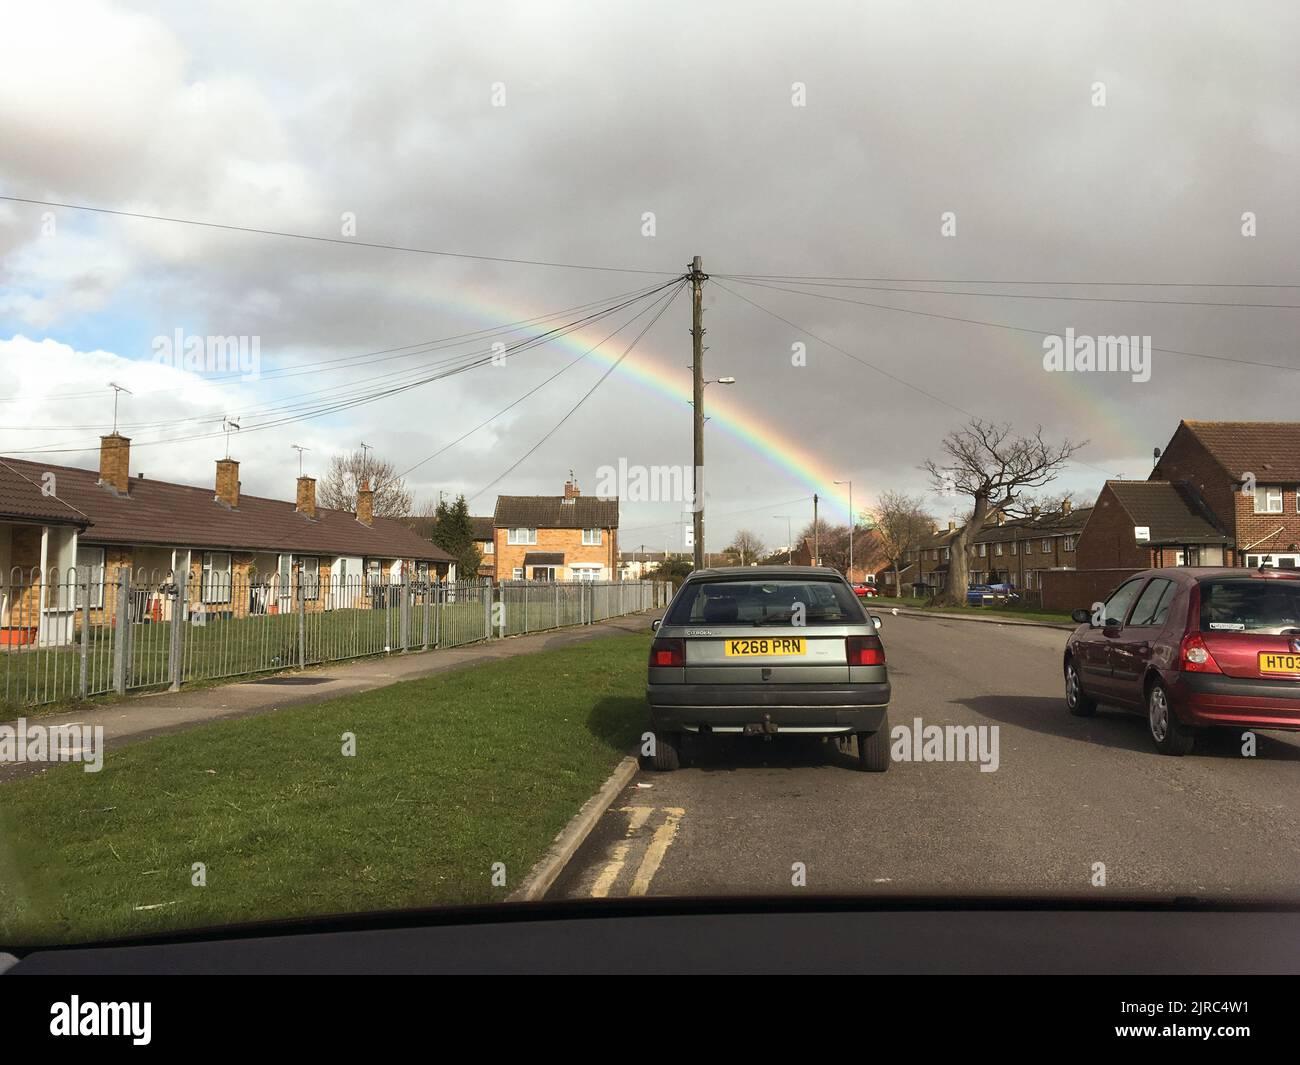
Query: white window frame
[
  {"x": 997, "y": 550},
  {"x": 1265, "y": 493},
  {"x": 1014, "y": 551},
  {"x": 1047, "y": 545},
  {"x": 223, "y": 575},
  {"x": 983, "y": 550},
  {"x": 1068, "y": 544},
  {"x": 490, "y": 548},
  {"x": 309, "y": 576},
  {"x": 517, "y": 573},
  {"x": 592, "y": 537},
  {"x": 585, "y": 572},
  {"x": 522, "y": 537}
]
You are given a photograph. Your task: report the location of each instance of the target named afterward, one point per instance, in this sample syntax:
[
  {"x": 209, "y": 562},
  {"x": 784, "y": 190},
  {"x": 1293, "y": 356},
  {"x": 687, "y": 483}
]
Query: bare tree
[
  {"x": 338, "y": 488},
  {"x": 902, "y": 523},
  {"x": 831, "y": 541},
  {"x": 995, "y": 468},
  {"x": 747, "y": 546}
]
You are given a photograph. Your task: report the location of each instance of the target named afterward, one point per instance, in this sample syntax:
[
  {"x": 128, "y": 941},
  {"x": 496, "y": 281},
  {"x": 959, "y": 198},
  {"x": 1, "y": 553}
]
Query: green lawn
[
  {"x": 452, "y": 774},
  {"x": 1024, "y": 613}
]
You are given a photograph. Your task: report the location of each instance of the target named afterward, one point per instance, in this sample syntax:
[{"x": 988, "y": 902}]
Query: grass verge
[
  {"x": 452, "y": 774},
  {"x": 1021, "y": 612}
]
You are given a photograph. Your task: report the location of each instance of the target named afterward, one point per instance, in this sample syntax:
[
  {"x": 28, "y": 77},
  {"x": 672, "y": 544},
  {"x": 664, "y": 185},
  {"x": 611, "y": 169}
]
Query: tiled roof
[
  {"x": 21, "y": 496},
  {"x": 482, "y": 527},
  {"x": 1056, "y": 523},
  {"x": 544, "y": 558},
  {"x": 1171, "y": 511},
  {"x": 1269, "y": 450},
  {"x": 178, "y": 515},
  {"x": 552, "y": 512}
]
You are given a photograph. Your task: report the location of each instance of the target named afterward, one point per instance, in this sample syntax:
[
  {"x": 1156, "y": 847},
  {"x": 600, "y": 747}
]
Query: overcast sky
[{"x": 1072, "y": 142}]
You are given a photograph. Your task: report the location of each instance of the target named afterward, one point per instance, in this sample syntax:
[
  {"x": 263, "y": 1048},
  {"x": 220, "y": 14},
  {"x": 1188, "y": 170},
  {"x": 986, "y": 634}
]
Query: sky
[{"x": 1104, "y": 168}]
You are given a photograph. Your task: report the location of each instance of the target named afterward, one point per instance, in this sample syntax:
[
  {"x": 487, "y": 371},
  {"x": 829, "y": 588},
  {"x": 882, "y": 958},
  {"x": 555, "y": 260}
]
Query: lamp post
[{"x": 851, "y": 523}]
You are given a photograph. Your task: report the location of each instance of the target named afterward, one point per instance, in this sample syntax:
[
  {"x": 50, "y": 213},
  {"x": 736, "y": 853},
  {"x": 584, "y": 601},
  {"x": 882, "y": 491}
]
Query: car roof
[
  {"x": 761, "y": 572},
  {"x": 1206, "y": 573}
]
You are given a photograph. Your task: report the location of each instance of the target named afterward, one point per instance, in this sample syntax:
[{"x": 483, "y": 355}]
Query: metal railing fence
[{"x": 86, "y": 632}]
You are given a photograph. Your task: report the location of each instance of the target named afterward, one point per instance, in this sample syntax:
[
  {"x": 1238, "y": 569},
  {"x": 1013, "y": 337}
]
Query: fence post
[
  {"x": 487, "y": 611},
  {"x": 525, "y": 607},
  {"x": 555, "y": 617},
  {"x": 302, "y": 626},
  {"x": 404, "y": 618},
  {"x": 429, "y": 586},
  {"x": 437, "y": 613},
  {"x": 122, "y": 629},
  {"x": 85, "y": 636},
  {"x": 179, "y": 600}
]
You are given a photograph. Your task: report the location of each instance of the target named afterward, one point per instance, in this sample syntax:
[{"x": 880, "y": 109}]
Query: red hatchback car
[{"x": 1192, "y": 648}]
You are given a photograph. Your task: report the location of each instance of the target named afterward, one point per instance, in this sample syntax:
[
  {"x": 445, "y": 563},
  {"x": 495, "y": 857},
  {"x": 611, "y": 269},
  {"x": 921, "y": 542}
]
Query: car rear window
[
  {"x": 1270, "y": 606},
  {"x": 765, "y": 601}
]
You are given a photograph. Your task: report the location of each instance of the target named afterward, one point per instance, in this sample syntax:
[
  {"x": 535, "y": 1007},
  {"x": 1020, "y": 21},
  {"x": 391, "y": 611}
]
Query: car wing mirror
[
  {"x": 654, "y": 625},
  {"x": 875, "y": 620},
  {"x": 1082, "y": 617}
]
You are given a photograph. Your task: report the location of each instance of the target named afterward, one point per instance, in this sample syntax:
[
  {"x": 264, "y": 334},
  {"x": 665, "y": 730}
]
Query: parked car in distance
[
  {"x": 989, "y": 594},
  {"x": 768, "y": 650},
  {"x": 863, "y": 590},
  {"x": 1191, "y": 647}
]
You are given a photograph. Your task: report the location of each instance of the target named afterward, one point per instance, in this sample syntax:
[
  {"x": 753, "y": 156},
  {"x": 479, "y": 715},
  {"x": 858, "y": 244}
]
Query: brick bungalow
[
  {"x": 235, "y": 548},
  {"x": 563, "y": 538}
]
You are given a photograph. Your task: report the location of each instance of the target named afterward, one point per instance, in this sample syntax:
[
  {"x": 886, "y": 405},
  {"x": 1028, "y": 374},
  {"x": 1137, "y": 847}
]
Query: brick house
[
  {"x": 234, "y": 547},
  {"x": 485, "y": 542},
  {"x": 1018, "y": 551},
  {"x": 564, "y": 538}
]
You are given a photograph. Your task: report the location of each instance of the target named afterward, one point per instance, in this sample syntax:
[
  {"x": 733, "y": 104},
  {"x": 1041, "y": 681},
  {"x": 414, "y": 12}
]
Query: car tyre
[
  {"x": 1077, "y": 701},
  {"x": 1171, "y": 736},
  {"x": 873, "y": 749},
  {"x": 668, "y": 753}
]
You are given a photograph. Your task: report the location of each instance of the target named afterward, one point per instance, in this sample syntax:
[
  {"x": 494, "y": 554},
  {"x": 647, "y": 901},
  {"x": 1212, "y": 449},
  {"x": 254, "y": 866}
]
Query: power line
[
  {"x": 587, "y": 395},
  {"x": 1031, "y": 295},
  {"x": 139, "y": 215},
  {"x": 1004, "y": 325},
  {"x": 871, "y": 365},
  {"x": 986, "y": 281}
]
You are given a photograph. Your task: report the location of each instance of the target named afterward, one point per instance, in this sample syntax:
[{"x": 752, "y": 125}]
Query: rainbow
[{"x": 778, "y": 450}]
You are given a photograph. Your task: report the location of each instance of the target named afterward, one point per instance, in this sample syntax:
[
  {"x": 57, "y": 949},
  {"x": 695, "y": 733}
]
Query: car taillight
[
  {"x": 668, "y": 652},
  {"x": 864, "y": 650},
  {"x": 1195, "y": 657}
]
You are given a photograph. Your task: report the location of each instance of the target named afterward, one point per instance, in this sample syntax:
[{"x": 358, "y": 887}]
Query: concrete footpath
[{"x": 144, "y": 716}]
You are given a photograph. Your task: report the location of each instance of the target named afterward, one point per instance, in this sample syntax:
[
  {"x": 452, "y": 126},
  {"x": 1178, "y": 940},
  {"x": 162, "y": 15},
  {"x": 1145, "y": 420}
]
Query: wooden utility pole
[
  {"x": 697, "y": 278},
  {"x": 816, "y": 535}
]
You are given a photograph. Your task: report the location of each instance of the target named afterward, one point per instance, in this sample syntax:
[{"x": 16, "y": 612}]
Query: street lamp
[
  {"x": 851, "y": 523},
  {"x": 789, "y": 538}
]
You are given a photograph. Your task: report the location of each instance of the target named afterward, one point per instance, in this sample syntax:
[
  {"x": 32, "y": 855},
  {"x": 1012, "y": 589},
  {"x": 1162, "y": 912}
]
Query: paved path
[
  {"x": 1068, "y": 792},
  {"x": 143, "y": 716}
]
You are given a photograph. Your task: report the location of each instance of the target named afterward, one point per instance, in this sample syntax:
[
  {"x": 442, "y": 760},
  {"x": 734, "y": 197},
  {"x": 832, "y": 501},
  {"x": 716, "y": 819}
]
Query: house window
[
  {"x": 517, "y": 573},
  {"x": 946, "y": 556},
  {"x": 310, "y": 577},
  {"x": 215, "y": 584},
  {"x": 1013, "y": 547},
  {"x": 984, "y": 550},
  {"x": 585, "y": 573},
  {"x": 1068, "y": 543},
  {"x": 489, "y": 548},
  {"x": 1029, "y": 547},
  {"x": 1268, "y": 500},
  {"x": 590, "y": 537},
  {"x": 90, "y": 567},
  {"x": 1273, "y": 561},
  {"x": 521, "y": 536},
  {"x": 1047, "y": 546},
  {"x": 997, "y": 550}
]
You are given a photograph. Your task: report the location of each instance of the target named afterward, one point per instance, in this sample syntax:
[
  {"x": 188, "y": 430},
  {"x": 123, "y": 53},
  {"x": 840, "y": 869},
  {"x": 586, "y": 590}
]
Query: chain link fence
[{"x": 84, "y": 633}]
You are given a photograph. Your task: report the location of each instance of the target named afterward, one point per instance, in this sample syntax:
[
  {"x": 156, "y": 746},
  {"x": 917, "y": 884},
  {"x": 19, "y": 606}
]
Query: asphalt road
[{"x": 1068, "y": 792}]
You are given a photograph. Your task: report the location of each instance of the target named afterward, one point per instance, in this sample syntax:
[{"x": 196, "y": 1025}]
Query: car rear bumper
[
  {"x": 768, "y": 707},
  {"x": 1245, "y": 702}
]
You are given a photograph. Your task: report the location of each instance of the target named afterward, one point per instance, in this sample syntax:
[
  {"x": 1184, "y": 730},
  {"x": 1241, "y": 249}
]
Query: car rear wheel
[
  {"x": 1079, "y": 702},
  {"x": 667, "y": 752},
  {"x": 1171, "y": 735},
  {"x": 873, "y": 749}
]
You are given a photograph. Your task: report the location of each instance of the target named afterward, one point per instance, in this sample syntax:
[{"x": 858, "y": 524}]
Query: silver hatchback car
[{"x": 764, "y": 650}]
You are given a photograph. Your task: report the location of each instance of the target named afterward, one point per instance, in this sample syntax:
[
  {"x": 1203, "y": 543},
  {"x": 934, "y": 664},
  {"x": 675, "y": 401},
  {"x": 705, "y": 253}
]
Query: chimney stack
[
  {"x": 1033, "y": 511},
  {"x": 306, "y": 497},
  {"x": 365, "y": 504},
  {"x": 1001, "y": 517},
  {"x": 115, "y": 462},
  {"x": 952, "y": 526},
  {"x": 228, "y": 483},
  {"x": 571, "y": 490},
  {"x": 1065, "y": 506}
]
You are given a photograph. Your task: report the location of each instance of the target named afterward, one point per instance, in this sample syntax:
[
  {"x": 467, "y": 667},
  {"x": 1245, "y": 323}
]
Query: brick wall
[
  {"x": 1067, "y": 590},
  {"x": 568, "y": 542},
  {"x": 1107, "y": 541},
  {"x": 1185, "y": 459}
]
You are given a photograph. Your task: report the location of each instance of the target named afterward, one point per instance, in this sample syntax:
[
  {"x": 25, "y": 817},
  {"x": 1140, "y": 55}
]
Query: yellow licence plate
[
  {"x": 764, "y": 645},
  {"x": 1275, "y": 663}
]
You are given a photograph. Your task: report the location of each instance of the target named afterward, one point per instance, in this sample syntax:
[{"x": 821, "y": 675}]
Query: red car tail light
[
  {"x": 668, "y": 651},
  {"x": 1195, "y": 657},
  {"x": 864, "y": 650}
]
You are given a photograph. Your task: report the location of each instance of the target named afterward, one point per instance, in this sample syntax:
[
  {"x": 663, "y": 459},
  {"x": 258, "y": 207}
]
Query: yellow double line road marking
[{"x": 660, "y": 841}]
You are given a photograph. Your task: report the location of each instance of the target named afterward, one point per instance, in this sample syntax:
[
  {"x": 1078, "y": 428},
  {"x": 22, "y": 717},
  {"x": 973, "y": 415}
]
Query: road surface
[{"x": 749, "y": 816}]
